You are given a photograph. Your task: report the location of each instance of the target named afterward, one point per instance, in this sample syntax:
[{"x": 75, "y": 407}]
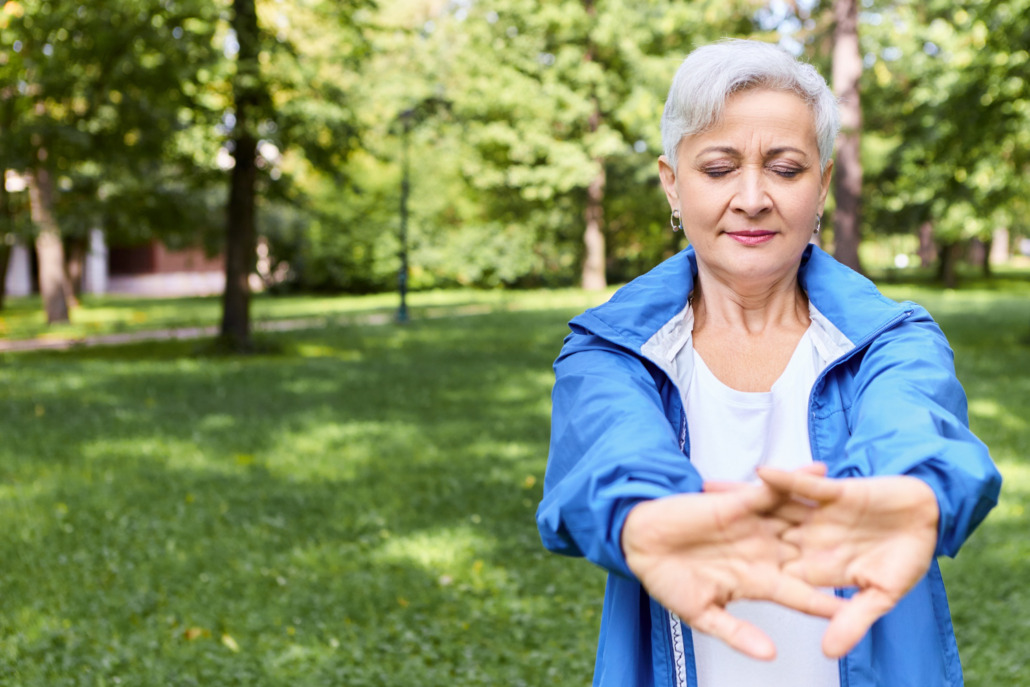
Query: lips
[{"x": 751, "y": 237}]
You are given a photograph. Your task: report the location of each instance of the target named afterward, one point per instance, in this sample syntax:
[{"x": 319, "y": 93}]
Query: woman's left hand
[{"x": 875, "y": 533}]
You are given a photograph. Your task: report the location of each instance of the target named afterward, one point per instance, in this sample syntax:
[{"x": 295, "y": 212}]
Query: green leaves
[
  {"x": 948, "y": 86},
  {"x": 549, "y": 95}
]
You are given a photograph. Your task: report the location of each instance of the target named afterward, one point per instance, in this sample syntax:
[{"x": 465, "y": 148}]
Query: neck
[{"x": 748, "y": 309}]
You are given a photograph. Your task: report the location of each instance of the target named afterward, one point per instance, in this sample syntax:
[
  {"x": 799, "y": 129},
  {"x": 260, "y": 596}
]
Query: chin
[{"x": 759, "y": 270}]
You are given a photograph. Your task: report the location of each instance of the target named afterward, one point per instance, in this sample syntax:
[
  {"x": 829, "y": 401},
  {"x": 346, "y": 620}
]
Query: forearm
[
  {"x": 612, "y": 446},
  {"x": 908, "y": 417}
]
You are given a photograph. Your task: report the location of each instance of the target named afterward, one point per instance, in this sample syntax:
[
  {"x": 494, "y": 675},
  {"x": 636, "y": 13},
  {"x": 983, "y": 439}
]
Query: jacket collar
[{"x": 846, "y": 307}]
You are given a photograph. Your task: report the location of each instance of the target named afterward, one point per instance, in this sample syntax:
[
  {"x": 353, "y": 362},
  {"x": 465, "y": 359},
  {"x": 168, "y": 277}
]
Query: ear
[
  {"x": 668, "y": 177},
  {"x": 825, "y": 184}
]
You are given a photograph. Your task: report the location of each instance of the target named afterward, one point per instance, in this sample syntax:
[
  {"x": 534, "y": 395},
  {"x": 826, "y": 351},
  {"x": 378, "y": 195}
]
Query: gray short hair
[{"x": 712, "y": 73}]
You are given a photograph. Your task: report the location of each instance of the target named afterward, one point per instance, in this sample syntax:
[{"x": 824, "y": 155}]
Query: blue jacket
[{"x": 888, "y": 404}]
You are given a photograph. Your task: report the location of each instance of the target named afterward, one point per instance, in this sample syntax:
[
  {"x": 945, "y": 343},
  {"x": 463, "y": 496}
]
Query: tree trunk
[
  {"x": 5, "y": 257},
  {"x": 847, "y": 69},
  {"x": 53, "y": 284},
  {"x": 593, "y": 278},
  {"x": 927, "y": 247},
  {"x": 6, "y": 212},
  {"x": 75, "y": 260},
  {"x": 240, "y": 246},
  {"x": 988, "y": 246},
  {"x": 6, "y": 223},
  {"x": 999, "y": 252},
  {"x": 948, "y": 268},
  {"x": 240, "y": 230}
]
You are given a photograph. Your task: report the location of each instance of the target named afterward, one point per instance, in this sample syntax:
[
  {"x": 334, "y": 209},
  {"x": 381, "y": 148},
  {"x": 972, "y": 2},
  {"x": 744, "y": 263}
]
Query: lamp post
[{"x": 402, "y": 272}]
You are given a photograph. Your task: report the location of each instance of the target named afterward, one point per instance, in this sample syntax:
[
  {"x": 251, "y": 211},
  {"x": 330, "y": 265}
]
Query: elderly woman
[{"x": 752, "y": 425}]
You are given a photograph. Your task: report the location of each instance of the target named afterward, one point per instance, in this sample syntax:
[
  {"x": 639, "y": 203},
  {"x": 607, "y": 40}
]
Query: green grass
[
  {"x": 357, "y": 509},
  {"x": 23, "y": 318},
  {"x": 989, "y": 328}
]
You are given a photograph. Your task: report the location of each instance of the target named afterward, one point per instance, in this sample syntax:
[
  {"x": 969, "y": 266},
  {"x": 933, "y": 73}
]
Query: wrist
[
  {"x": 922, "y": 503},
  {"x": 635, "y": 527}
]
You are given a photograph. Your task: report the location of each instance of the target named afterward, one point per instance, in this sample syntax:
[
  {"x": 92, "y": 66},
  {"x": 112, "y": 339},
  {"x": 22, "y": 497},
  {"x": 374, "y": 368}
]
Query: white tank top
[{"x": 732, "y": 433}]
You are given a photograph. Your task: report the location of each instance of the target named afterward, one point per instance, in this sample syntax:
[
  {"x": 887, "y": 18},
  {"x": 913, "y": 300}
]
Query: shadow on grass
[{"x": 357, "y": 512}]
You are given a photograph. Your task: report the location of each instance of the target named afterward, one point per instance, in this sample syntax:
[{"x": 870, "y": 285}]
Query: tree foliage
[
  {"x": 944, "y": 112},
  {"x": 108, "y": 89},
  {"x": 131, "y": 108},
  {"x": 532, "y": 125},
  {"x": 953, "y": 117},
  {"x": 94, "y": 98},
  {"x": 562, "y": 103}
]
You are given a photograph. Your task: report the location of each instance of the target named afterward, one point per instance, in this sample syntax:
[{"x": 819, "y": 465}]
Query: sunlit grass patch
[{"x": 451, "y": 554}]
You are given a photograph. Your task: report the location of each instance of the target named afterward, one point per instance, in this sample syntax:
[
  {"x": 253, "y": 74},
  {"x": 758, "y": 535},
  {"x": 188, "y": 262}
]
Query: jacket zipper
[
  {"x": 675, "y": 625},
  {"x": 679, "y": 650}
]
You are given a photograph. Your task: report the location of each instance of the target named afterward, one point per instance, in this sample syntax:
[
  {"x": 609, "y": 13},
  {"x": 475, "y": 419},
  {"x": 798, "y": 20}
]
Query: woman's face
[{"x": 750, "y": 188}]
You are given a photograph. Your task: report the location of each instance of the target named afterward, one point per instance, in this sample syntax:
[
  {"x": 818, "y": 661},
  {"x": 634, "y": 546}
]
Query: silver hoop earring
[
  {"x": 818, "y": 223},
  {"x": 675, "y": 222}
]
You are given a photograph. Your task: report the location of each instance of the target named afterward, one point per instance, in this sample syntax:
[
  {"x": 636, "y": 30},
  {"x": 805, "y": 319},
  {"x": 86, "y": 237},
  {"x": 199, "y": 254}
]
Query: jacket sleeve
[
  {"x": 909, "y": 417},
  {"x": 612, "y": 446}
]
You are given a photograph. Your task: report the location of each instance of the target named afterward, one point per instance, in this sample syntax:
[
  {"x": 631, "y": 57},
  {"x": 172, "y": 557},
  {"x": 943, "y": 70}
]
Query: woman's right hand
[{"x": 695, "y": 553}]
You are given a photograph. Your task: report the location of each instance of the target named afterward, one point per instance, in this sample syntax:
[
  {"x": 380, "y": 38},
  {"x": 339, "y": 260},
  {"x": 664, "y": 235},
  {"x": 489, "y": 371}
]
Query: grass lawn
[
  {"x": 23, "y": 318},
  {"x": 357, "y": 509}
]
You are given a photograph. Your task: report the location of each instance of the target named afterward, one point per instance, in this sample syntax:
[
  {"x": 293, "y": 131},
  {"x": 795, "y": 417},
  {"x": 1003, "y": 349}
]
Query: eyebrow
[{"x": 733, "y": 151}]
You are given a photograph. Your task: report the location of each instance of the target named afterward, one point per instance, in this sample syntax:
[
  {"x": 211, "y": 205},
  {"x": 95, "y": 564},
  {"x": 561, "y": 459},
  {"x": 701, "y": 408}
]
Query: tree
[
  {"x": 557, "y": 96},
  {"x": 26, "y": 60},
  {"x": 952, "y": 119},
  {"x": 943, "y": 118},
  {"x": 128, "y": 103},
  {"x": 100, "y": 100},
  {"x": 544, "y": 115},
  {"x": 288, "y": 93},
  {"x": 53, "y": 282},
  {"x": 847, "y": 70},
  {"x": 593, "y": 274},
  {"x": 6, "y": 221},
  {"x": 249, "y": 94}
]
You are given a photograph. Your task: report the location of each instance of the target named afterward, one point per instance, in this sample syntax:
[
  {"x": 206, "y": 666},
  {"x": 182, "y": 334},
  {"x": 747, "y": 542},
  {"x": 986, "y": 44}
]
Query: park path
[
  {"x": 188, "y": 333},
  {"x": 174, "y": 333}
]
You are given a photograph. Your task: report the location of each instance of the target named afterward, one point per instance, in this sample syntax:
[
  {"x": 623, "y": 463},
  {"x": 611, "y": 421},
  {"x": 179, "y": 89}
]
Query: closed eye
[{"x": 787, "y": 172}]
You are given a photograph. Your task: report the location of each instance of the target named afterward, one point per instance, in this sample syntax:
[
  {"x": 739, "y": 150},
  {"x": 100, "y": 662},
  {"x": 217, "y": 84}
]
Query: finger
[
  {"x": 756, "y": 499},
  {"x": 855, "y": 618},
  {"x": 761, "y": 498},
  {"x": 779, "y": 480},
  {"x": 814, "y": 468},
  {"x": 738, "y": 634},
  {"x": 795, "y": 593},
  {"x": 773, "y": 527},
  {"x": 799, "y": 484},
  {"x": 816, "y": 570},
  {"x": 786, "y": 553},
  {"x": 793, "y": 511},
  {"x": 720, "y": 487},
  {"x": 811, "y": 470}
]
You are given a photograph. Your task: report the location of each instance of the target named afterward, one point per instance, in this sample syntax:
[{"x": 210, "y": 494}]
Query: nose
[{"x": 751, "y": 197}]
